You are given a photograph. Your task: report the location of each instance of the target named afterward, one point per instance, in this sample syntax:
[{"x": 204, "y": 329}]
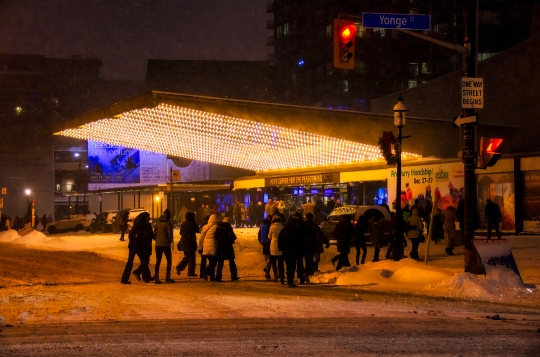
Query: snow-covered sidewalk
[{"x": 443, "y": 276}]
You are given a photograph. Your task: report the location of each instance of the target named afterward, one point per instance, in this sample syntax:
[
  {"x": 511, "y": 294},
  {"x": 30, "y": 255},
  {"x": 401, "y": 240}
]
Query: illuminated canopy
[{"x": 226, "y": 140}]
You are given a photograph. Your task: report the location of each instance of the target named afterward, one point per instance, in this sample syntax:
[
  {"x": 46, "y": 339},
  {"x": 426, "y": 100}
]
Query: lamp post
[{"x": 399, "y": 121}]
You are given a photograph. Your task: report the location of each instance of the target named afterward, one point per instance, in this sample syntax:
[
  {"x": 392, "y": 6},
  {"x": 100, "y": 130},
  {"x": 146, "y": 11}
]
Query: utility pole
[{"x": 468, "y": 135}]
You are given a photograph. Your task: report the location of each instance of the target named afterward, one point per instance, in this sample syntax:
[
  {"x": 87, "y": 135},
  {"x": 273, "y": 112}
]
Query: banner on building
[
  {"x": 500, "y": 189},
  {"x": 531, "y": 201},
  {"x": 116, "y": 166},
  {"x": 422, "y": 183}
]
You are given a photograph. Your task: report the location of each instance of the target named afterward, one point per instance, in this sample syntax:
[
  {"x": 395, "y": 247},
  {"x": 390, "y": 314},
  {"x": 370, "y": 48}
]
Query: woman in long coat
[
  {"x": 225, "y": 238},
  {"x": 188, "y": 244}
]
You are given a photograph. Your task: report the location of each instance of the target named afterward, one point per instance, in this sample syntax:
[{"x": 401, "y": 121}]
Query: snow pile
[
  {"x": 500, "y": 284},
  {"x": 387, "y": 273},
  {"x": 9, "y": 236}
]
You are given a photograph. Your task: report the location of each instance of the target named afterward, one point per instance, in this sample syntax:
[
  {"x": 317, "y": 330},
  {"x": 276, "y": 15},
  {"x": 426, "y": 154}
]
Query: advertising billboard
[{"x": 116, "y": 166}]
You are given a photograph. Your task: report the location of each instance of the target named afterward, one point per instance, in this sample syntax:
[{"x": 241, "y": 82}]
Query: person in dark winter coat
[
  {"x": 311, "y": 244},
  {"x": 320, "y": 212},
  {"x": 493, "y": 217},
  {"x": 359, "y": 239},
  {"x": 292, "y": 243},
  {"x": 320, "y": 242},
  {"x": 188, "y": 244},
  {"x": 343, "y": 233},
  {"x": 124, "y": 224},
  {"x": 376, "y": 235},
  {"x": 330, "y": 206},
  {"x": 225, "y": 251},
  {"x": 140, "y": 244},
  {"x": 164, "y": 245},
  {"x": 265, "y": 242},
  {"x": 44, "y": 222}
]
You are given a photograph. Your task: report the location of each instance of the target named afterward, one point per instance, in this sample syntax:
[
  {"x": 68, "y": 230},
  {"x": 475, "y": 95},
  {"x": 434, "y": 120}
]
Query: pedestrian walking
[
  {"x": 309, "y": 207},
  {"x": 344, "y": 234},
  {"x": 269, "y": 209},
  {"x": 376, "y": 236},
  {"x": 320, "y": 242},
  {"x": 140, "y": 244},
  {"x": 415, "y": 230},
  {"x": 493, "y": 217},
  {"x": 330, "y": 206},
  {"x": 207, "y": 248},
  {"x": 163, "y": 235},
  {"x": 188, "y": 244},
  {"x": 265, "y": 243},
  {"x": 276, "y": 255},
  {"x": 292, "y": 242},
  {"x": 225, "y": 238},
  {"x": 44, "y": 223},
  {"x": 124, "y": 224},
  {"x": 359, "y": 240},
  {"x": 449, "y": 226}
]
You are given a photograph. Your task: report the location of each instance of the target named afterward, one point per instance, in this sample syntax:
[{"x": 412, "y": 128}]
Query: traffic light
[
  {"x": 344, "y": 35},
  {"x": 488, "y": 146}
]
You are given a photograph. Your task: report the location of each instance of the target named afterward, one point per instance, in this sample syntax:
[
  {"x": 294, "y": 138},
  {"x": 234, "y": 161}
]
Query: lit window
[
  {"x": 360, "y": 31},
  {"x": 18, "y": 110},
  {"x": 383, "y": 33},
  {"x": 425, "y": 69},
  {"x": 286, "y": 31},
  {"x": 279, "y": 31},
  {"x": 345, "y": 86},
  {"x": 412, "y": 83},
  {"x": 328, "y": 30}
]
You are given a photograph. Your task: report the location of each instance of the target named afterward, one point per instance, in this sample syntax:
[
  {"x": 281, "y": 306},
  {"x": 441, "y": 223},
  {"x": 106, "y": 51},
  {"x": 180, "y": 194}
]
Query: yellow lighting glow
[{"x": 224, "y": 140}]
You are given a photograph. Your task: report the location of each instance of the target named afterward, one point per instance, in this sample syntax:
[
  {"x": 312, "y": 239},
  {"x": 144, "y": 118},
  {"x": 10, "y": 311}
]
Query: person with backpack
[
  {"x": 163, "y": 234},
  {"x": 188, "y": 244},
  {"x": 225, "y": 238},
  {"x": 140, "y": 244},
  {"x": 263, "y": 240},
  {"x": 292, "y": 243},
  {"x": 320, "y": 242}
]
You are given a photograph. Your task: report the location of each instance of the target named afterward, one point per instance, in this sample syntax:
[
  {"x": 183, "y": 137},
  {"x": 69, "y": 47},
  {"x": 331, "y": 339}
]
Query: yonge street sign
[{"x": 396, "y": 21}]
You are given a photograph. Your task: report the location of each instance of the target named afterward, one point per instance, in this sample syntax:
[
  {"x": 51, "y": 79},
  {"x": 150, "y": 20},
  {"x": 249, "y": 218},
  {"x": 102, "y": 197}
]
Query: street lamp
[{"x": 399, "y": 121}]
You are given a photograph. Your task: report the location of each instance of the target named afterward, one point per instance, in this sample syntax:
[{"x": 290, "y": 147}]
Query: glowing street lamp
[{"x": 400, "y": 116}]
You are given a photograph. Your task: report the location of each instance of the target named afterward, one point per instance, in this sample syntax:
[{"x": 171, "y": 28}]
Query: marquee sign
[{"x": 303, "y": 179}]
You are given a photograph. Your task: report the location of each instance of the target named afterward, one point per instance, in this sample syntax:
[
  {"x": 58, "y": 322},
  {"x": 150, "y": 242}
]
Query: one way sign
[{"x": 470, "y": 119}]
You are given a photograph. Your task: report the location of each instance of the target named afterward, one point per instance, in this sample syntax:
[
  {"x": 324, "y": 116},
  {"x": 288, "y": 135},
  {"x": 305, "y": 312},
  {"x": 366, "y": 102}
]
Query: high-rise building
[{"x": 386, "y": 61}]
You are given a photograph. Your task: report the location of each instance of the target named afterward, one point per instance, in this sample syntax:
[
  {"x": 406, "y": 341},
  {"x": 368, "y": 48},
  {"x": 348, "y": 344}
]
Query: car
[
  {"x": 356, "y": 211},
  {"x": 133, "y": 213},
  {"x": 103, "y": 222},
  {"x": 74, "y": 222}
]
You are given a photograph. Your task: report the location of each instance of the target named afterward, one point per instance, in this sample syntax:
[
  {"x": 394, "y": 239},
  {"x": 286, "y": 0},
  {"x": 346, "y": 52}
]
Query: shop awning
[{"x": 195, "y": 128}]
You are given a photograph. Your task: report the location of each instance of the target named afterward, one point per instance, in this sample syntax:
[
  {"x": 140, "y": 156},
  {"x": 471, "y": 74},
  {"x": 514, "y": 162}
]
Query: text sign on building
[
  {"x": 472, "y": 93},
  {"x": 175, "y": 175},
  {"x": 302, "y": 179},
  {"x": 396, "y": 21}
]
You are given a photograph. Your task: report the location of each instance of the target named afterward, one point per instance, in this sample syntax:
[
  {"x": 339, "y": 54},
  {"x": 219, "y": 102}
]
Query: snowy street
[{"x": 70, "y": 282}]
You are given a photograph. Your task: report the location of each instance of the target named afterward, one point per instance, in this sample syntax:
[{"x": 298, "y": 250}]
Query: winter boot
[
  {"x": 168, "y": 278},
  {"x": 156, "y": 279}
]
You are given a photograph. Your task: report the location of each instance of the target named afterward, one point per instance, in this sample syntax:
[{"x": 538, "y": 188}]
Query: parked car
[
  {"x": 356, "y": 211},
  {"x": 103, "y": 222},
  {"x": 75, "y": 222},
  {"x": 133, "y": 213}
]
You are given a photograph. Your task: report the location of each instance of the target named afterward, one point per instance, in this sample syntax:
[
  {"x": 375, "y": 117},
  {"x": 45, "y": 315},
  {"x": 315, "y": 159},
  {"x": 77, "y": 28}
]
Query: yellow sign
[
  {"x": 4, "y": 190},
  {"x": 175, "y": 175}
]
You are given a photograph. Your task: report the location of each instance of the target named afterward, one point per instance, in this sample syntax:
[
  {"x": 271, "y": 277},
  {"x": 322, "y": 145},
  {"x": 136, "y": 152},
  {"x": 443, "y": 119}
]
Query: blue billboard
[{"x": 109, "y": 163}]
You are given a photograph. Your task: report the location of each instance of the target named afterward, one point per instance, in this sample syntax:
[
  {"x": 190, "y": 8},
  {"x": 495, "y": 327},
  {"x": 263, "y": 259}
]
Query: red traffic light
[
  {"x": 488, "y": 155},
  {"x": 346, "y": 33}
]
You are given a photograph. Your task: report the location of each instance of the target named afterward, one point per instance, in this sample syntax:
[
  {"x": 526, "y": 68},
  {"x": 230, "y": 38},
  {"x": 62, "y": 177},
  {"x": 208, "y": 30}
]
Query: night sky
[{"x": 124, "y": 34}]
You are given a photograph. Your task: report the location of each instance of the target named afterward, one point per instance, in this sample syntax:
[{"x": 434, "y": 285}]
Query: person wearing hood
[
  {"x": 208, "y": 248},
  {"x": 415, "y": 230},
  {"x": 225, "y": 238},
  {"x": 188, "y": 244},
  {"x": 344, "y": 234},
  {"x": 163, "y": 235},
  {"x": 276, "y": 256},
  {"x": 140, "y": 244}
]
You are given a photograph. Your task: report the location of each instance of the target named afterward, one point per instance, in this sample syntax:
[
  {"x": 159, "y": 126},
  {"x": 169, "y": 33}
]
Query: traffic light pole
[{"x": 468, "y": 134}]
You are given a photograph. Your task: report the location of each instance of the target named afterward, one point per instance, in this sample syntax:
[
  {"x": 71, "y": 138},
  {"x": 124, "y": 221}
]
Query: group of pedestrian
[
  {"x": 295, "y": 243},
  {"x": 7, "y": 223}
]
